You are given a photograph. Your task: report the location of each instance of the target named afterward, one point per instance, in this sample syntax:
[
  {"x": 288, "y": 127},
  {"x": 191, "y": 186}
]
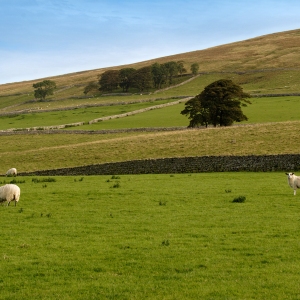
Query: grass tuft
[{"x": 239, "y": 199}]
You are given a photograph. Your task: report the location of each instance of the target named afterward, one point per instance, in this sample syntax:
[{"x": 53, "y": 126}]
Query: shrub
[
  {"x": 116, "y": 185},
  {"x": 165, "y": 243},
  {"x": 239, "y": 199},
  {"x": 49, "y": 179}
]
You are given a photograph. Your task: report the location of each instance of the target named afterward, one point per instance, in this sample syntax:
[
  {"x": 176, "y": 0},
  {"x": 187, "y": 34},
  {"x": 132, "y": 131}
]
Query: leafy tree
[
  {"x": 159, "y": 75},
  {"x": 218, "y": 104},
  {"x": 195, "y": 68},
  {"x": 171, "y": 70},
  {"x": 143, "y": 78},
  {"x": 180, "y": 67},
  {"x": 91, "y": 87},
  {"x": 126, "y": 78},
  {"x": 109, "y": 80},
  {"x": 44, "y": 88}
]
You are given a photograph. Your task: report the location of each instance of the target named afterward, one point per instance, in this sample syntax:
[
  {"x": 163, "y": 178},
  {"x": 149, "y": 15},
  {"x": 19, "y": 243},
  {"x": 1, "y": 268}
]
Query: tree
[
  {"x": 143, "y": 78},
  {"x": 195, "y": 68},
  {"x": 171, "y": 70},
  {"x": 109, "y": 80},
  {"x": 159, "y": 75},
  {"x": 126, "y": 77},
  {"x": 43, "y": 89},
  {"x": 180, "y": 67},
  {"x": 218, "y": 104},
  {"x": 91, "y": 87}
]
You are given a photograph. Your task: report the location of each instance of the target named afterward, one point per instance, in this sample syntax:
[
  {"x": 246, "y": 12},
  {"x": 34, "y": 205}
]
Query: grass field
[
  {"x": 51, "y": 151},
  {"x": 152, "y": 237},
  {"x": 171, "y": 236},
  {"x": 40, "y": 119},
  {"x": 265, "y": 109}
]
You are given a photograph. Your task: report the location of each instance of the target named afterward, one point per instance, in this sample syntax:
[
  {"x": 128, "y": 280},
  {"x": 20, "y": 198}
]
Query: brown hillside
[{"x": 273, "y": 51}]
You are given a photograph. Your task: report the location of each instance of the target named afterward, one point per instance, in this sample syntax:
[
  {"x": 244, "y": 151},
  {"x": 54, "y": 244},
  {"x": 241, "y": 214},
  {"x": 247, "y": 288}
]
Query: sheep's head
[{"x": 290, "y": 175}]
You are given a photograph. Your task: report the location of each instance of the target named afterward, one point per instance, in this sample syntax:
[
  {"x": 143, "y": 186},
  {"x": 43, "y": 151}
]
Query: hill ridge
[{"x": 259, "y": 49}]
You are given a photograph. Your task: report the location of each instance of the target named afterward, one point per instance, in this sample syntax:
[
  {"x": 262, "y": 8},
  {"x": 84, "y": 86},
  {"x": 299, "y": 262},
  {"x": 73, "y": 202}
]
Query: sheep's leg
[{"x": 294, "y": 192}]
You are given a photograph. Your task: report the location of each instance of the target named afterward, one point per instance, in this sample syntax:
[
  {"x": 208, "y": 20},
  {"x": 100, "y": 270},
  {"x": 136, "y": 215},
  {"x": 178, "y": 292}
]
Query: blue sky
[{"x": 40, "y": 38}]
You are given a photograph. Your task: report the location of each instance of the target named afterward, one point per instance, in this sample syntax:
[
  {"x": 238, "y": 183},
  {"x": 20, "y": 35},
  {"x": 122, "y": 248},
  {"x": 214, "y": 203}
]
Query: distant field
[
  {"x": 152, "y": 237},
  {"x": 264, "y": 65},
  {"x": 265, "y": 109},
  {"x": 273, "y": 109},
  {"x": 272, "y": 82},
  {"x": 50, "y": 118},
  {"x": 50, "y": 151}
]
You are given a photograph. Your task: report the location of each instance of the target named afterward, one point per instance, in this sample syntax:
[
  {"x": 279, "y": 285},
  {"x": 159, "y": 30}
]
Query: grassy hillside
[
  {"x": 262, "y": 66},
  {"x": 45, "y": 151},
  {"x": 274, "y": 51}
]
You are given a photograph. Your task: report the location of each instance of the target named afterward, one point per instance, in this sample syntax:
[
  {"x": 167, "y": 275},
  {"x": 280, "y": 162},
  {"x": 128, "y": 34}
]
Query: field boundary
[{"x": 252, "y": 163}]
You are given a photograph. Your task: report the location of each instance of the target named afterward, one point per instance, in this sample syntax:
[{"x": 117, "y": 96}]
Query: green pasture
[
  {"x": 12, "y": 102},
  {"x": 265, "y": 109},
  {"x": 273, "y": 109},
  {"x": 257, "y": 82},
  {"x": 171, "y": 236},
  {"x": 40, "y": 119}
]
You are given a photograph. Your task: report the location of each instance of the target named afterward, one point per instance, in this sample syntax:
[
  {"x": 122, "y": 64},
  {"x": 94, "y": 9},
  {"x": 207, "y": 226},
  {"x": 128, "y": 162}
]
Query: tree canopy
[
  {"x": 44, "y": 89},
  {"x": 143, "y": 79},
  {"x": 109, "y": 80},
  {"x": 195, "y": 68},
  {"x": 91, "y": 87},
  {"x": 218, "y": 104},
  {"x": 126, "y": 78}
]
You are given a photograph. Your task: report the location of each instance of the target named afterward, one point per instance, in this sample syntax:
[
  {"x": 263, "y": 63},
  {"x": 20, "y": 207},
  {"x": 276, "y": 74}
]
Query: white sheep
[
  {"x": 293, "y": 181},
  {"x": 12, "y": 172},
  {"x": 9, "y": 192}
]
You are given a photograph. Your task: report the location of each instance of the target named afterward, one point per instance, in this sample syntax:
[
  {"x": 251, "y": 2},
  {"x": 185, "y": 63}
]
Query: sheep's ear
[
  {"x": 292, "y": 173},
  {"x": 286, "y": 174}
]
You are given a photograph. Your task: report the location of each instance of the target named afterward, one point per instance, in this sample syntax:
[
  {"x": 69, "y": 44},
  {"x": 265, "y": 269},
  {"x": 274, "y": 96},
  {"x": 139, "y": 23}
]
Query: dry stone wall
[{"x": 263, "y": 163}]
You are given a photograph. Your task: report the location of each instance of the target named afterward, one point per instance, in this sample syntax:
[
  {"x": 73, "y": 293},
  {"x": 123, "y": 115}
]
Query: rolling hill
[
  {"x": 264, "y": 66},
  {"x": 269, "y": 52}
]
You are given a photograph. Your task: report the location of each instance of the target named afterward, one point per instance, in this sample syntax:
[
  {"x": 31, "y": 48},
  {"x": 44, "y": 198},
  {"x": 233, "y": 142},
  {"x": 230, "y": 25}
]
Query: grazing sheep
[
  {"x": 293, "y": 181},
  {"x": 9, "y": 192},
  {"x": 12, "y": 172}
]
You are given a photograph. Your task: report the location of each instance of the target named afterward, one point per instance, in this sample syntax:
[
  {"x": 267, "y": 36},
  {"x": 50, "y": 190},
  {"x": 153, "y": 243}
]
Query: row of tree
[
  {"x": 154, "y": 76},
  {"x": 218, "y": 104}
]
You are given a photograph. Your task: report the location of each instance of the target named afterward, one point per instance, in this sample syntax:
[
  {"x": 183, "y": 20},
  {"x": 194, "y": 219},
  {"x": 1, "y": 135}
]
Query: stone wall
[{"x": 263, "y": 163}]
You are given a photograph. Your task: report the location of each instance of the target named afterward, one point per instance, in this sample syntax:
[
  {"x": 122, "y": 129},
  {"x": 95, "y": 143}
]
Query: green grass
[
  {"x": 40, "y": 119},
  {"x": 265, "y": 109},
  {"x": 164, "y": 117},
  {"x": 83, "y": 238},
  {"x": 260, "y": 82},
  {"x": 273, "y": 109},
  {"x": 30, "y": 152}
]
